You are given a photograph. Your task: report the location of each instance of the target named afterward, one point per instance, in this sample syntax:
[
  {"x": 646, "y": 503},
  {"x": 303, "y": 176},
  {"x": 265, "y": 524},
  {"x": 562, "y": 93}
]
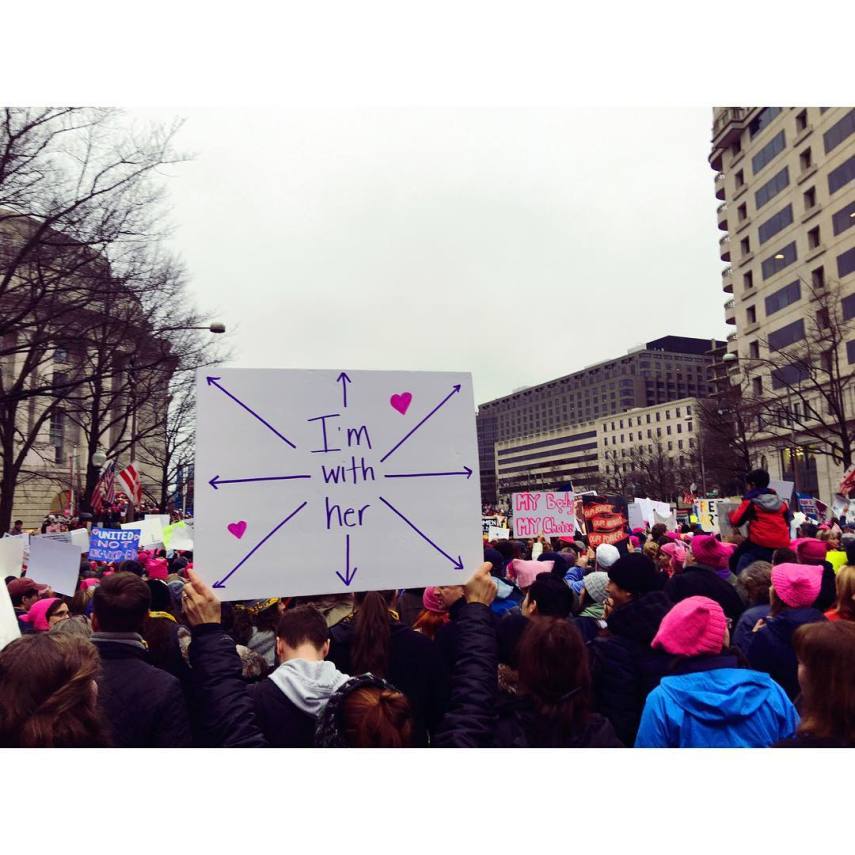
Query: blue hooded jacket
[{"x": 724, "y": 707}]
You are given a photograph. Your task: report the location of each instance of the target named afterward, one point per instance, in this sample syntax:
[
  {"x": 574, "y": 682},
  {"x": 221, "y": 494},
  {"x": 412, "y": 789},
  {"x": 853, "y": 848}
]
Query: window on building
[
  {"x": 772, "y": 188},
  {"x": 846, "y": 263},
  {"x": 850, "y": 351},
  {"x": 757, "y": 385},
  {"x": 745, "y": 246},
  {"x": 659, "y": 431},
  {"x": 848, "y": 306},
  {"x": 805, "y": 159},
  {"x": 822, "y": 320},
  {"x": 787, "y": 335},
  {"x": 668, "y": 430},
  {"x": 689, "y": 410},
  {"x": 742, "y": 212},
  {"x": 783, "y": 297},
  {"x": 839, "y": 131},
  {"x": 768, "y": 153},
  {"x": 754, "y": 350},
  {"x": 843, "y": 219},
  {"x": 840, "y": 177},
  {"x": 679, "y": 427},
  {"x": 748, "y": 280},
  {"x": 762, "y": 120},
  {"x": 801, "y": 121},
  {"x": 648, "y": 418},
  {"x": 813, "y": 238},
  {"x": 775, "y": 223},
  {"x": 773, "y": 264},
  {"x": 658, "y": 416},
  {"x": 789, "y": 375},
  {"x": 809, "y": 197},
  {"x": 739, "y": 179},
  {"x": 817, "y": 278},
  {"x": 691, "y": 442},
  {"x": 751, "y": 315}
]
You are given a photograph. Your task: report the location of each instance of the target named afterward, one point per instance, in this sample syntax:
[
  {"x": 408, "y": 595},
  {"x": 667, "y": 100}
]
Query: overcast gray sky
[{"x": 519, "y": 245}]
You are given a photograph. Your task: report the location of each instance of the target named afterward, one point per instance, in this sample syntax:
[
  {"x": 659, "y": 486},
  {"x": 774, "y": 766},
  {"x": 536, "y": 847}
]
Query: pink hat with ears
[
  {"x": 523, "y": 573},
  {"x": 157, "y": 568},
  {"x": 797, "y": 585},
  {"x": 677, "y": 553},
  {"x": 634, "y": 541},
  {"x": 88, "y": 583},
  {"x": 37, "y": 615}
]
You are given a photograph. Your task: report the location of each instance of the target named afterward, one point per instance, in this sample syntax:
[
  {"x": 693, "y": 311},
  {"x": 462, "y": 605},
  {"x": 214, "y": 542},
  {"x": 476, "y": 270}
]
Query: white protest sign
[
  {"x": 54, "y": 563},
  {"x": 724, "y": 509},
  {"x": 11, "y": 556},
  {"x": 668, "y": 520},
  {"x": 646, "y": 506},
  {"x": 635, "y": 515},
  {"x": 544, "y": 513},
  {"x": 59, "y": 536},
  {"x": 9, "y": 629},
  {"x": 163, "y": 519},
  {"x": 783, "y": 488},
  {"x": 497, "y": 532},
  {"x": 318, "y": 482},
  {"x": 80, "y": 537},
  {"x": 182, "y": 537},
  {"x": 151, "y": 532}
]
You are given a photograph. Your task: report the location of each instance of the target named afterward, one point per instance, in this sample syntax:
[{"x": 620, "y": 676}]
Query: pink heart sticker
[
  {"x": 401, "y": 402},
  {"x": 237, "y": 529}
]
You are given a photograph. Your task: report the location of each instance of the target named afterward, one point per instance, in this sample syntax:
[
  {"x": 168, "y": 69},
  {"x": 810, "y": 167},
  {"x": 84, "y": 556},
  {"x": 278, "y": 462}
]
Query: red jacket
[{"x": 767, "y": 516}]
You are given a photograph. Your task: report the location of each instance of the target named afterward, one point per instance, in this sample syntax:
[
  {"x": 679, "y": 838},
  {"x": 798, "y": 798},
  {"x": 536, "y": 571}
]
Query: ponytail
[{"x": 372, "y": 634}]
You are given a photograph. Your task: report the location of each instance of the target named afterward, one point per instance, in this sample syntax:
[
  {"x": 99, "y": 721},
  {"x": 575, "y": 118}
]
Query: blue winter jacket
[{"x": 720, "y": 707}]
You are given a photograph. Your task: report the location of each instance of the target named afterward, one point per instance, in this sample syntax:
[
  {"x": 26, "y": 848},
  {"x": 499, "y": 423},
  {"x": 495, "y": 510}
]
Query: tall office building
[
  {"x": 666, "y": 369},
  {"x": 786, "y": 178}
]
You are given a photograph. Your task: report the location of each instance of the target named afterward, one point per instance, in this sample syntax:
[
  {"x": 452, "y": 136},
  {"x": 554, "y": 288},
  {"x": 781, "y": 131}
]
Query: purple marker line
[
  {"x": 344, "y": 380},
  {"x": 458, "y": 563},
  {"x": 212, "y": 381},
  {"x": 465, "y": 471},
  {"x": 222, "y": 582},
  {"x": 348, "y": 576},
  {"x": 216, "y": 480},
  {"x": 453, "y": 392}
]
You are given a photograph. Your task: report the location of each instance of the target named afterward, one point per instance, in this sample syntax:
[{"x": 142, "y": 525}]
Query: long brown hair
[
  {"x": 372, "y": 717},
  {"x": 554, "y": 673},
  {"x": 826, "y": 650},
  {"x": 47, "y": 698},
  {"x": 372, "y": 633}
]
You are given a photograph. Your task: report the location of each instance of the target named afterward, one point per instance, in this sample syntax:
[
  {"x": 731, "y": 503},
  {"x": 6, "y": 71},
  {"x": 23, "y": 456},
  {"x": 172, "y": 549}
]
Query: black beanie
[{"x": 635, "y": 573}]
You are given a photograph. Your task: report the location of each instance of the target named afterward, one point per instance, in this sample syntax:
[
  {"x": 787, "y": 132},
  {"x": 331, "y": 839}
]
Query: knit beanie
[
  {"x": 635, "y": 573},
  {"x": 595, "y": 584},
  {"x": 797, "y": 585},
  {"x": 810, "y": 550},
  {"x": 432, "y": 601},
  {"x": 157, "y": 568},
  {"x": 523, "y": 573},
  {"x": 694, "y": 627},
  {"x": 707, "y": 550},
  {"x": 676, "y": 551},
  {"x": 607, "y": 554},
  {"x": 36, "y": 617}
]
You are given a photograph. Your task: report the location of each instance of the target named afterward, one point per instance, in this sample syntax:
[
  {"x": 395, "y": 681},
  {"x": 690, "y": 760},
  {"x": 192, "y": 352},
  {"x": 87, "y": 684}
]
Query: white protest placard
[
  {"x": 163, "y": 519},
  {"x": 635, "y": 515},
  {"x": 151, "y": 532},
  {"x": 544, "y": 513},
  {"x": 497, "y": 532},
  {"x": 182, "y": 537},
  {"x": 54, "y": 563},
  {"x": 80, "y": 537},
  {"x": 9, "y": 629},
  {"x": 11, "y": 556},
  {"x": 724, "y": 509},
  {"x": 784, "y": 489},
  {"x": 60, "y": 536},
  {"x": 668, "y": 520},
  {"x": 318, "y": 482}
]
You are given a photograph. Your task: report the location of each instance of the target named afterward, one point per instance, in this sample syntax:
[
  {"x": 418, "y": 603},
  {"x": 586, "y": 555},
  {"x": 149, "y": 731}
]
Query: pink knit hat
[
  {"x": 694, "y": 627},
  {"x": 677, "y": 553},
  {"x": 797, "y": 584},
  {"x": 432, "y": 601},
  {"x": 88, "y": 583},
  {"x": 523, "y": 573},
  {"x": 810, "y": 550},
  {"x": 635, "y": 541},
  {"x": 707, "y": 550},
  {"x": 157, "y": 568},
  {"x": 37, "y": 615}
]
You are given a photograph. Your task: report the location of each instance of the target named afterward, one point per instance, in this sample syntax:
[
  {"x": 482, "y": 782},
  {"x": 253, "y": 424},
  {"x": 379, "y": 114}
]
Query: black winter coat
[
  {"x": 283, "y": 724},
  {"x": 624, "y": 668},
  {"x": 144, "y": 706},
  {"x": 699, "y": 581},
  {"x": 224, "y": 708},
  {"x": 771, "y": 647},
  {"x": 415, "y": 667}
]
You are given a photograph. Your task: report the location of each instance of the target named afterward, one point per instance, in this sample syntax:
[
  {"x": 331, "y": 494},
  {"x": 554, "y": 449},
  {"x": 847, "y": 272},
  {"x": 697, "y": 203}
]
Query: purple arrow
[
  {"x": 344, "y": 380},
  {"x": 222, "y": 582},
  {"x": 458, "y": 562},
  {"x": 348, "y": 576},
  {"x": 212, "y": 381},
  {"x": 453, "y": 392},
  {"x": 465, "y": 471},
  {"x": 216, "y": 480}
]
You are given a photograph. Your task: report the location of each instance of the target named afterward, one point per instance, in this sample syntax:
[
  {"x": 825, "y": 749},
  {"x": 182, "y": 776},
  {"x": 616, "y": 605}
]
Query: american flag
[
  {"x": 131, "y": 483},
  {"x": 104, "y": 493}
]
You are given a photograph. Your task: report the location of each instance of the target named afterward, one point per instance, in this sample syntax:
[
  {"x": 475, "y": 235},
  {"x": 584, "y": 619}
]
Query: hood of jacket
[
  {"x": 639, "y": 619},
  {"x": 707, "y": 697},
  {"x": 308, "y": 685},
  {"x": 769, "y": 502}
]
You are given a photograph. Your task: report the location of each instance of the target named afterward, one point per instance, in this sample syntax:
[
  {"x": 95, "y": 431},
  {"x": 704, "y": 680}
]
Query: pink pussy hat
[
  {"x": 797, "y": 585},
  {"x": 523, "y": 573},
  {"x": 694, "y": 627}
]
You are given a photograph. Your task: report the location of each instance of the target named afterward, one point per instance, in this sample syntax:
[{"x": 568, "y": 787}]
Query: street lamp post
[{"x": 701, "y": 453}]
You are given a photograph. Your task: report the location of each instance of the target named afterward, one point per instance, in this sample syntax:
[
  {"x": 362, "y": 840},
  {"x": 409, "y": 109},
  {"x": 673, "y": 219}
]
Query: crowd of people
[{"x": 669, "y": 639}]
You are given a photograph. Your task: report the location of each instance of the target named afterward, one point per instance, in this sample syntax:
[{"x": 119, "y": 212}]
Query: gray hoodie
[{"x": 308, "y": 685}]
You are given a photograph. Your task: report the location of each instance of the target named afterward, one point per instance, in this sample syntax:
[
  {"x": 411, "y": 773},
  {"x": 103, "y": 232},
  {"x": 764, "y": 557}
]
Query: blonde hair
[{"x": 846, "y": 592}]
